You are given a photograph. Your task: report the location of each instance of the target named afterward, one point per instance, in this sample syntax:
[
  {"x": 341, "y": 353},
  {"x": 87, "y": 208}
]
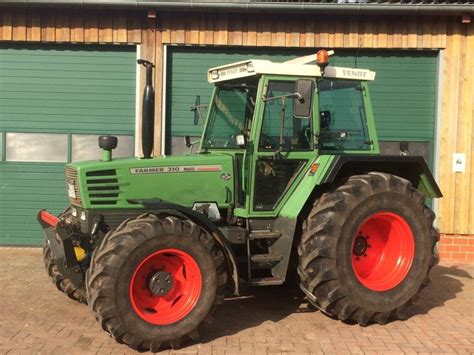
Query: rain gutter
[{"x": 253, "y": 7}]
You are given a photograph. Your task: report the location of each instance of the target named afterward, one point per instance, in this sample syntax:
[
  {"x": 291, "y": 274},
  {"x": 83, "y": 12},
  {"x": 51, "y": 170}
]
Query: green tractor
[{"x": 287, "y": 180}]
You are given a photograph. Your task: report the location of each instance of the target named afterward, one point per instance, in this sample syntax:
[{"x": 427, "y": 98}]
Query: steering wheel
[{"x": 266, "y": 141}]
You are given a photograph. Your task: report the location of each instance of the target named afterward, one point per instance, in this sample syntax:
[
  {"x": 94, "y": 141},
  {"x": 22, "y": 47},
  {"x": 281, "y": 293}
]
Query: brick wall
[{"x": 456, "y": 247}]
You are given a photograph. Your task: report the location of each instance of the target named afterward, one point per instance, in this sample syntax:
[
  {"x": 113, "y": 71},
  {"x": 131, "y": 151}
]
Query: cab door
[{"x": 284, "y": 144}]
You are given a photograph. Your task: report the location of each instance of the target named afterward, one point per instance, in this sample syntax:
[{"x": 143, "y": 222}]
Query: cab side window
[{"x": 342, "y": 115}]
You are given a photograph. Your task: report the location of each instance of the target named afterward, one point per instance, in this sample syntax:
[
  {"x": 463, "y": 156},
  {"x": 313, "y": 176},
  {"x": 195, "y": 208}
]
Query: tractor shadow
[
  {"x": 256, "y": 306},
  {"x": 446, "y": 284},
  {"x": 271, "y": 304}
]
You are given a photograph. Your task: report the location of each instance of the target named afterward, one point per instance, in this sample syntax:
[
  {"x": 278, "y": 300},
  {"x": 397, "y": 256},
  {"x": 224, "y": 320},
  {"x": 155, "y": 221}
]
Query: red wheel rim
[
  {"x": 382, "y": 251},
  {"x": 165, "y": 287}
]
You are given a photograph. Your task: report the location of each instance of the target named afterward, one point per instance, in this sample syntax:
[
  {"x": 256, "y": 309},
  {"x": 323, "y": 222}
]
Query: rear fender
[
  {"x": 332, "y": 168},
  {"x": 412, "y": 168}
]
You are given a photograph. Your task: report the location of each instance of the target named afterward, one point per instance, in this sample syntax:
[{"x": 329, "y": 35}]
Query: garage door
[
  {"x": 403, "y": 93},
  {"x": 54, "y": 102}
]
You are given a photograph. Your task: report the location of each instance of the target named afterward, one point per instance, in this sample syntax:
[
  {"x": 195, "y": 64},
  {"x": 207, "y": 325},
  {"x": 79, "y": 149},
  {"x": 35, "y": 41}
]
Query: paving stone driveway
[{"x": 36, "y": 318}]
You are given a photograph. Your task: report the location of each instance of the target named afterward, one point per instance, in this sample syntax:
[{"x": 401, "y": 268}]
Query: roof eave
[{"x": 252, "y": 7}]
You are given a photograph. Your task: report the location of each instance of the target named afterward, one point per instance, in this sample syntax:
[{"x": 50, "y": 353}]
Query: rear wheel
[
  {"x": 153, "y": 281},
  {"x": 367, "y": 248},
  {"x": 62, "y": 283}
]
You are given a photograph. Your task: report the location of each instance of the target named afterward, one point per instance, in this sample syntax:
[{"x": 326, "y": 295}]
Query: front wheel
[
  {"x": 153, "y": 281},
  {"x": 367, "y": 248}
]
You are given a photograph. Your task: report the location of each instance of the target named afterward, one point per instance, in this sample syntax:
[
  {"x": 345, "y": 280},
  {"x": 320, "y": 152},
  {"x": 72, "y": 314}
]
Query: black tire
[
  {"x": 123, "y": 251},
  {"x": 62, "y": 283},
  {"x": 326, "y": 249}
]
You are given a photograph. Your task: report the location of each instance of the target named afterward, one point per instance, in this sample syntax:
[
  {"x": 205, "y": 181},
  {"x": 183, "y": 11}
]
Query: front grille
[
  {"x": 103, "y": 187},
  {"x": 71, "y": 176}
]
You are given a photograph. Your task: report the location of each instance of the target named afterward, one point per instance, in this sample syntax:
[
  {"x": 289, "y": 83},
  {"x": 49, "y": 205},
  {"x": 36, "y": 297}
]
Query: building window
[
  {"x": 86, "y": 147},
  {"x": 36, "y": 147},
  {"x": 1, "y": 146}
]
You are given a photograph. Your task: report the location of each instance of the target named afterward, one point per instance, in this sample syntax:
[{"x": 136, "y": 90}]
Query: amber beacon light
[{"x": 322, "y": 59}]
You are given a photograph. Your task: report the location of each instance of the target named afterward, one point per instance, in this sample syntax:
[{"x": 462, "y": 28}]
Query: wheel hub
[
  {"x": 384, "y": 263},
  {"x": 161, "y": 283},
  {"x": 360, "y": 246},
  {"x": 166, "y": 286}
]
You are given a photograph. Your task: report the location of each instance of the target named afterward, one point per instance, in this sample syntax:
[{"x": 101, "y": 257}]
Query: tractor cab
[{"x": 276, "y": 119}]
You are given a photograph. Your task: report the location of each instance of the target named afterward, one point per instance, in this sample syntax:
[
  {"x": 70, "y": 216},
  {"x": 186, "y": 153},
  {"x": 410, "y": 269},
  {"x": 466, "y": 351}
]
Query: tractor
[{"x": 287, "y": 182}]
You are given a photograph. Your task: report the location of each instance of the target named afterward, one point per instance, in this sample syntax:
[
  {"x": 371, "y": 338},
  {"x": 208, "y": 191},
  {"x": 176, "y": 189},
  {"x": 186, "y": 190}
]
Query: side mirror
[
  {"x": 187, "y": 141},
  {"x": 303, "y": 104},
  {"x": 195, "y": 108}
]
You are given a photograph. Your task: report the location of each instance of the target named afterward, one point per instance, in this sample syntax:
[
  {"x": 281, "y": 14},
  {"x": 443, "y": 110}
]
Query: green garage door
[
  {"x": 403, "y": 93},
  {"x": 54, "y": 102}
]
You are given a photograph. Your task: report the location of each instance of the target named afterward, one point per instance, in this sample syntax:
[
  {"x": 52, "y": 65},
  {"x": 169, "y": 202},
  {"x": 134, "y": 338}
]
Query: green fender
[
  {"x": 296, "y": 202},
  {"x": 332, "y": 167}
]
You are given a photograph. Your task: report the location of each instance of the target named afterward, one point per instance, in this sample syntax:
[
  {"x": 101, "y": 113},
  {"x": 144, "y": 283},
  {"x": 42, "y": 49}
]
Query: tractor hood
[{"x": 178, "y": 179}]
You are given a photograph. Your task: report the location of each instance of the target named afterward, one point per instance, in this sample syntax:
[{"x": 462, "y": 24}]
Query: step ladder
[{"x": 262, "y": 261}]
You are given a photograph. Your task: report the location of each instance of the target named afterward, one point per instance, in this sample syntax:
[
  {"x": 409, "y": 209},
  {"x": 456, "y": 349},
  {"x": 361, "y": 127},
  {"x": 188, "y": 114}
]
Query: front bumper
[{"x": 59, "y": 237}]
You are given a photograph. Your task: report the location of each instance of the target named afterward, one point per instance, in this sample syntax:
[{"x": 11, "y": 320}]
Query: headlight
[
  {"x": 74, "y": 211},
  {"x": 214, "y": 75},
  {"x": 83, "y": 215}
]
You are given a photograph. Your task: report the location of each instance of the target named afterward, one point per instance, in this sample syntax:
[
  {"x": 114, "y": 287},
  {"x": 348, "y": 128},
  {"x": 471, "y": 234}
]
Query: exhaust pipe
[{"x": 148, "y": 110}]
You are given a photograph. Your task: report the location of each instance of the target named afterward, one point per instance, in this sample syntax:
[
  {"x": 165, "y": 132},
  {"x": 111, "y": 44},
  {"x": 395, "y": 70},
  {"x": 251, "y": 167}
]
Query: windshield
[
  {"x": 342, "y": 115},
  {"x": 230, "y": 115}
]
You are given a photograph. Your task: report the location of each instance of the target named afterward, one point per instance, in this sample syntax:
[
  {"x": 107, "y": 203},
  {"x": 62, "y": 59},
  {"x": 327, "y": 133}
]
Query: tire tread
[
  {"x": 317, "y": 264},
  {"x": 118, "y": 244}
]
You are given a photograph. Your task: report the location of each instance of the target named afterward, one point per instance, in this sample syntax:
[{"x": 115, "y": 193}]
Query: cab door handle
[{"x": 228, "y": 195}]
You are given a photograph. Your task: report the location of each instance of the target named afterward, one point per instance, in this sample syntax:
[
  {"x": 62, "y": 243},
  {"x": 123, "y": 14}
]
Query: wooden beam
[
  {"x": 412, "y": 33},
  {"x": 6, "y": 26},
  {"x": 221, "y": 29},
  {"x": 147, "y": 52},
  {"x": 264, "y": 37},
  {"x": 19, "y": 26},
  {"x": 105, "y": 28},
  {"x": 63, "y": 27},
  {"x": 463, "y": 182},
  {"x": 134, "y": 28},
  {"x": 33, "y": 30},
  {"x": 119, "y": 27},
  {"x": 159, "y": 84},
  {"x": 309, "y": 29},
  {"x": 449, "y": 124},
  {"x": 249, "y": 38},
  {"x": 77, "y": 27},
  {"x": 192, "y": 29},
  {"x": 206, "y": 25},
  {"x": 278, "y": 33},
  {"x": 178, "y": 30},
  {"x": 338, "y": 36},
  {"x": 91, "y": 29},
  {"x": 235, "y": 30}
]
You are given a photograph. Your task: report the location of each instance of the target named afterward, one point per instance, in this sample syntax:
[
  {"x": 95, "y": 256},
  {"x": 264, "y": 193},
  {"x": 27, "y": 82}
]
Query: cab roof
[{"x": 295, "y": 67}]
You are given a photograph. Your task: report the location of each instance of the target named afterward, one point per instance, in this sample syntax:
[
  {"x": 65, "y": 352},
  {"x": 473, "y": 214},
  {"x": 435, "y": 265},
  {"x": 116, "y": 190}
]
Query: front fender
[{"x": 202, "y": 220}]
